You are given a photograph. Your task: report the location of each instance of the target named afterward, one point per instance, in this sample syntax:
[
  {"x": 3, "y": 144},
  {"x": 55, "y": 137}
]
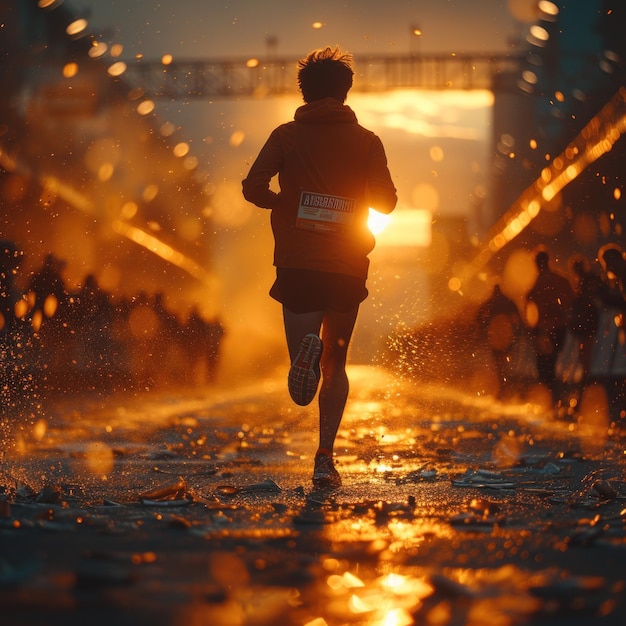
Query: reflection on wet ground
[{"x": 198, "y": 509}]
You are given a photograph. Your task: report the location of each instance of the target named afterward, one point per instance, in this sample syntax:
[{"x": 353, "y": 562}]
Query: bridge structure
[{"x": 233, "y": 78}]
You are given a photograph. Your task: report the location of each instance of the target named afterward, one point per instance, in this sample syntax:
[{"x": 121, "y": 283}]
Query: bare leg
[
  {"x": 337, "y": 332},
  {"x": 297, "y": 325}
]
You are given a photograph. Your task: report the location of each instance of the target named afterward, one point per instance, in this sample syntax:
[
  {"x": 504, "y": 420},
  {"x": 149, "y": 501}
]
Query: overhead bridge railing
[{"x": 232, "y": 78}]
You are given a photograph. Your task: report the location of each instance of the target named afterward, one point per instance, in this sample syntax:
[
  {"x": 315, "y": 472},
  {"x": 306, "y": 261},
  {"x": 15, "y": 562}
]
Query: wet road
[{"x": 197, "y": 508}]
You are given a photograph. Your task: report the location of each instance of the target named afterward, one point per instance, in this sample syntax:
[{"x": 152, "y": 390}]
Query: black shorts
[{"x": 305, "y": 291}]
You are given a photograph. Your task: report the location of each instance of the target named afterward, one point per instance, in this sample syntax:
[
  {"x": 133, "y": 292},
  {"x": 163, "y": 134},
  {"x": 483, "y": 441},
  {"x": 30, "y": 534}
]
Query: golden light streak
[
  {"x": 595, "y": 140},
  {"x": 55, "y": 187},
  {"x": 161, "y": 249}
]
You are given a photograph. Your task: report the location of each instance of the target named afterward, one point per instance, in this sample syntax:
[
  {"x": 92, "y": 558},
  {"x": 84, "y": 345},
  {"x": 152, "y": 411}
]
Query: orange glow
[
  {"x": 593, "y": 420},
  {"x": 98, "y": 49},
  {"x": 39, "y": 430},
  {"x": 191, "y": 163},
  {"x": 167, "y": 129},
  {"x": 99, "y": 458},
  {"x": 76, "y": 27},
  {"x": 50, "y": 305},
  {"x": 105, "y": 171},
  {"x": 236, "y": 139},
  {"x": 70, "y": 70},
  {"x": 548, "y": 8},
  {"x": 117, "y": 69},
  {"x": 403, "y": 227},
  {"x": 146, "y": 107},
  {"x": 181, "y": 149},
  {"x": 150, "y": 192}
]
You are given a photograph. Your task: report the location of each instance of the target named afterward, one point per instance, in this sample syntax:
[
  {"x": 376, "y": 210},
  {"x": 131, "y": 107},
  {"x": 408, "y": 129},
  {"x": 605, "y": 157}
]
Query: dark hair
[
  {"x": 542, "y": 259},
  {"x": 611, "y": 255},
  {"x": 325, "y": 73}
]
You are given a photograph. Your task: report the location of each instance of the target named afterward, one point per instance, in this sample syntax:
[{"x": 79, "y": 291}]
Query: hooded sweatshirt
[{"x": 330, "y": 172}]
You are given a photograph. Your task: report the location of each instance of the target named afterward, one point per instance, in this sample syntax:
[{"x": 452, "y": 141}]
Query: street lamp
[{"x": 415, "y": 35}]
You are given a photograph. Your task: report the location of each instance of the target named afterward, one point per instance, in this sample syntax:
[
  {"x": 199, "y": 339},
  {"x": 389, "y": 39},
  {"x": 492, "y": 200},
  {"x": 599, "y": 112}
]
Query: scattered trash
[
  {"x": 166, "y": 503},
  {"x": 483, "y": 478},
  {"x": 419, "y": 475},
  {"x": 267, "y": 485},
  {"x": 50, "y": 494},
  {"x": 173, "y": 492}
]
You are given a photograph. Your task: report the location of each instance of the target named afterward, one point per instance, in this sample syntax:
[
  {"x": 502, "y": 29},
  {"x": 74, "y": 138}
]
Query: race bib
[{"x": 320, "y": 211}]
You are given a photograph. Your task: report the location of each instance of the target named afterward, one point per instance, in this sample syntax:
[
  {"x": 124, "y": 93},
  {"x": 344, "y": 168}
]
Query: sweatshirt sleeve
[
  {"x": 256, "y": 186},
  {"x": 382, "y": 195}
]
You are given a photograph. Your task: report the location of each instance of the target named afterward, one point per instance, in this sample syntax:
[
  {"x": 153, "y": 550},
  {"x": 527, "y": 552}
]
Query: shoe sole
[
  {"x": 304, "y": 377},
  {"x": 326, "y": 477}
]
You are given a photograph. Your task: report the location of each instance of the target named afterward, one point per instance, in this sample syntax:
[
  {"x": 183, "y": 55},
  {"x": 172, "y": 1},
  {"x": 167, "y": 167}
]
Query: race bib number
[{"x": 320, "y": 211}]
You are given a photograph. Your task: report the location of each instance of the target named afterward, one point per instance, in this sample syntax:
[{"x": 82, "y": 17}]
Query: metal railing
[{"x": 226, "y": 78}]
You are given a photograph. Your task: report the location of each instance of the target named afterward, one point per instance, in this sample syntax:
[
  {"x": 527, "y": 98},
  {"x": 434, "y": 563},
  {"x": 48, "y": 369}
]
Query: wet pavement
[{"x": 196, "y": 508}]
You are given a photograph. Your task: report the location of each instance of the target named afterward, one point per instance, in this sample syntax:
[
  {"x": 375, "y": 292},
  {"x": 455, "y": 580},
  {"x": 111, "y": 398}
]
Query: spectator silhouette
[
  {"x": 609, "y": 356},
  {"x": 611, "y": 258},
  {"x": 500, "y": 322},
  {"x": 548, "y": 312},
  {"x": 54, "y": 341},
  {"x": 48, "y": 288},
  {"x": 10, "y": 261},
  {"x": 585, "y": 312}
]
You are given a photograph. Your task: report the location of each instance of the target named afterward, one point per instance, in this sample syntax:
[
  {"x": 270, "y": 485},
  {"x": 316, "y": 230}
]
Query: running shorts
[{"x": 306, "y": 291}]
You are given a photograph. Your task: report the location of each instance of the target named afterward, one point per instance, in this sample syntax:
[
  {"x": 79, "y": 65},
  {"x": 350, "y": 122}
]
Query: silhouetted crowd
[
  {"x": 54, "y": 340},
  {"x": 573, "y": 324}
]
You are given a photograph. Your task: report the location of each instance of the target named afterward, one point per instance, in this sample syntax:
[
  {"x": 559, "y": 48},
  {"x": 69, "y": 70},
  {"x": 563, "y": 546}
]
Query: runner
[{"x": 330, "y": 172}]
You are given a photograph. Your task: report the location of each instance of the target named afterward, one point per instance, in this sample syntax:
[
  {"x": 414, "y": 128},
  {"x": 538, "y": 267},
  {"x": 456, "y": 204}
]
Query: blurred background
[{"x": 126, "y": 128}]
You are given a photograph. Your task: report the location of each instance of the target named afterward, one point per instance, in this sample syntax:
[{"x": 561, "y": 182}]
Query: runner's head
[{"x": 325, "y": 73}]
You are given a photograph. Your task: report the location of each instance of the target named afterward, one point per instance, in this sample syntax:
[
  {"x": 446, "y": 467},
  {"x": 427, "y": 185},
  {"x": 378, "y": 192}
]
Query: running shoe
[
  {"x": 304, "y": 375},
  {"x": 325, "y": 476}
]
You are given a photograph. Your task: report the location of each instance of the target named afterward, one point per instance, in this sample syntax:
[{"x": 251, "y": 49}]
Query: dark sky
[{"x": 201, "y": 28}]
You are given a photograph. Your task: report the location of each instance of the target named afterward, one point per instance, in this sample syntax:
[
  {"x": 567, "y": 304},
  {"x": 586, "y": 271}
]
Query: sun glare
[
  {"x": 377, "y": 222},
  {"x": 405, "y": 227}
]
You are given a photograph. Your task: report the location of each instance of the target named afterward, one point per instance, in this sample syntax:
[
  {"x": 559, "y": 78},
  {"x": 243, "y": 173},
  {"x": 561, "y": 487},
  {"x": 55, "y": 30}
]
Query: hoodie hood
[{"x": 326, "y": 110}]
